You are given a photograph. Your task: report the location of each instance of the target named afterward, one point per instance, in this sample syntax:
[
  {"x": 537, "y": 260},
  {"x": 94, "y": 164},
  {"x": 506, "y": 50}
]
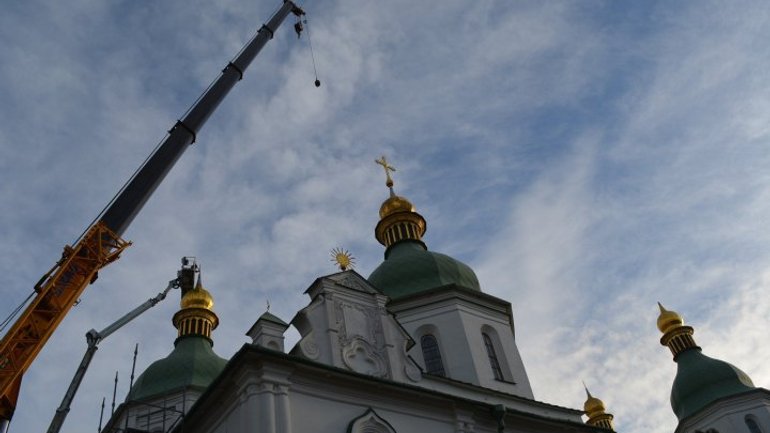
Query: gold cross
[{"x": 388, "y": 168}]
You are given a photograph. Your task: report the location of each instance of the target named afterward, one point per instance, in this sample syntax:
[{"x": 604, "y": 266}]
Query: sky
[{"x": 587, "y": 159}]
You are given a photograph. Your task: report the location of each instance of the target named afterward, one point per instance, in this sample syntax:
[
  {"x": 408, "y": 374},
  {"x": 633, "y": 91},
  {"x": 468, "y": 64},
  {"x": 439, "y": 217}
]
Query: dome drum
[
  {"x": 400, "y": 226},
  {"x": 195, "y": 321},
  {"x": 679, "y": 339}
]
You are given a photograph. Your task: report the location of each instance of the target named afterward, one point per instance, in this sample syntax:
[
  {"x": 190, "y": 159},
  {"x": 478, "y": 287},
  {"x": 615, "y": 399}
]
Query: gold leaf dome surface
[
  {"x": 668, "y": 320},
  {"x": 394, "y": 204},
  {"x": 593, "y": 405},
  {"x": 197, "y": 298}
]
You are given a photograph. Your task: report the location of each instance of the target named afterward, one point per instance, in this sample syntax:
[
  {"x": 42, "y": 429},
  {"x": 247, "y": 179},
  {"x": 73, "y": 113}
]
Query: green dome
[
  {"x": 701, "y": 380},
  {"x": 192, "y": 364},
  {"x": 410, "y": 268}
]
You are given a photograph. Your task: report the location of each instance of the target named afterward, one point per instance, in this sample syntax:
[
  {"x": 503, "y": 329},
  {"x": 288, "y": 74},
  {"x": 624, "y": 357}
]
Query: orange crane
[{"x": 59, "y": 289}]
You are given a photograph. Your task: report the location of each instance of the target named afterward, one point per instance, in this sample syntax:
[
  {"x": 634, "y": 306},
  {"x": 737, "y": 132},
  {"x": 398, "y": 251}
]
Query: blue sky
[{"x": 587, "y": 159}]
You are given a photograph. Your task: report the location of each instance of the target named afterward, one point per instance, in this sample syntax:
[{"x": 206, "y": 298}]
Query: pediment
[{"x": 353, "y": 280}]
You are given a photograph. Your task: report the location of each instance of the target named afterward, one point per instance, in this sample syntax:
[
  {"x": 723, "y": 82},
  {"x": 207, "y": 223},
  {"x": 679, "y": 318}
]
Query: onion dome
[
  {"x": 595, "y": 410},
  {"x": 668, "y": 320},
  {"x": 192, "y": 365},
  {"x": 197, "y": 298},
  {"x": 196, "y": 316},
  {"x": 394, "y": 204},
  {"x": 409, "y": 267},
  {"x": 700, "y": 380}
]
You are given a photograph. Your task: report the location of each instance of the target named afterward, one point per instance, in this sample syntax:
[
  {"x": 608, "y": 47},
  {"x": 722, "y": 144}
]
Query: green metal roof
[
  {"x": 270, "y": 317},
  {"x": 192, "y": 364},
  {"x": 701, "y": 380},
  {"x": 410, "y": 268}
]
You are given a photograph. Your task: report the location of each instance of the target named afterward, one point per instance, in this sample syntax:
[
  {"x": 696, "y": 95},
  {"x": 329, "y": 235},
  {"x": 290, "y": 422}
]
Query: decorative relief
[
  {"x": 361, "y": 357},
  {"x": 361, "y": 339},
  {"x": 370, "y": 422},
  {"x": 352, "y": 282},
  {"x": 309, "y": 349},
  {"x": 411, "y": 371}
]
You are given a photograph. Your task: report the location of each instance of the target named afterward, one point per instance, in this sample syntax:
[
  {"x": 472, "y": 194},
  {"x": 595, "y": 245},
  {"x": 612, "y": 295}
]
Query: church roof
[
  {"x": 270, "y": 317},
  {"x": 192, "y": 364},
  {"x": 701, "y": 380},
  {"x": 410, "y": 268}
]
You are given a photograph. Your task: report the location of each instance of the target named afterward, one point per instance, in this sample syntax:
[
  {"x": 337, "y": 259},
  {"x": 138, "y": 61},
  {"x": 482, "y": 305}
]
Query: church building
[{"x": 416, "y": 346}]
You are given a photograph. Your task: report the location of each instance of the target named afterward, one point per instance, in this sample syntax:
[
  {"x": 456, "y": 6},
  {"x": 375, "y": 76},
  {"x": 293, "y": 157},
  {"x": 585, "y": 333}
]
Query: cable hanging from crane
[
  {"x": 299, "y": 26},
  {"x": 312, "y": 55}
]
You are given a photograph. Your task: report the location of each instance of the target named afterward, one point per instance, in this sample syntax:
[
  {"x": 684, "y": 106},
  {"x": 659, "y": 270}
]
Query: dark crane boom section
[
  {"x": 101, "y": 244},
  {"x": 130, "y": 201}
]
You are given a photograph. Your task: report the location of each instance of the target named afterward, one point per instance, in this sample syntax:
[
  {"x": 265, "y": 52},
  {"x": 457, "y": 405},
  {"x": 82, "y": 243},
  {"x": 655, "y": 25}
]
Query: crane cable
[
  {"x": 298, "y": 27},
  {"x": 13, "y": 314},
  {"x": 312, "y": 55}
]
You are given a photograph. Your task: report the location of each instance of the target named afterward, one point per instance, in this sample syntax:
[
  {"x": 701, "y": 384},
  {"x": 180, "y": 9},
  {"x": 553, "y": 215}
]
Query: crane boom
[
  {"x": 93, "y": 338},
  {"x": 101, "y": 244}
]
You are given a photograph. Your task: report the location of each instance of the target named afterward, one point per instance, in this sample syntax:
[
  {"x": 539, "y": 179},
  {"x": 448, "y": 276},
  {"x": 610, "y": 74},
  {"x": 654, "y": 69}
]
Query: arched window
[
  {"x": 432, "y": 355},
  {"x": 751, "y": 423},
  {"x": 493, "y": 362}
]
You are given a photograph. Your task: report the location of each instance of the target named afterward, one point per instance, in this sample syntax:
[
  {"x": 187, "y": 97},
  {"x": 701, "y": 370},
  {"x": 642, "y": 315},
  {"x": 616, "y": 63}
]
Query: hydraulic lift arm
[{"x": 93, "y": 338}]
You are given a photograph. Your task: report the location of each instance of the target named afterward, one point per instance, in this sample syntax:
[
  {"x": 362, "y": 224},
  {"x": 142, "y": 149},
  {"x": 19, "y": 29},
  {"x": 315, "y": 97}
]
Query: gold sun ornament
[{"x": 343, "y": 258}]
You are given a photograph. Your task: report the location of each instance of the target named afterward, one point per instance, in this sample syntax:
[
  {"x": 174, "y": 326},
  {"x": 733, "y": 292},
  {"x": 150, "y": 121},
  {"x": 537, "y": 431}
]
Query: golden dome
[
  {"x": 595, "y": 410},
  {"x": 668, "y": 320},
  {"x": 593, "y": 405},
  {"x": 395, "y": 204},
  {"x": 197, "y": 298}
]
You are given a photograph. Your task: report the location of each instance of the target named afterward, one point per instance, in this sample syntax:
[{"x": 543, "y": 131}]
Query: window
[
  {"x": 493, "y": 362},
  {"x": 751, "y": 423},
  {"x": 431, "y": 355}
]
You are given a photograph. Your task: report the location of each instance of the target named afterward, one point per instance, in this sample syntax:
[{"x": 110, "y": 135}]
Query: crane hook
[{"x": 298, "y": 28}]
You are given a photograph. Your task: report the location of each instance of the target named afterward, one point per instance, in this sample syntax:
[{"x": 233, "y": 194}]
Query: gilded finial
[
  {"x": 596, "y": 411},
  {"x": 343, "y": 258},
  {"x": 588, "y": 393},
  {"x": 388, "y": 169},
  {"x": 668, "y": 320},
  {"x": 676, "y": 335},
  {"x": 398, "y": 219}
]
